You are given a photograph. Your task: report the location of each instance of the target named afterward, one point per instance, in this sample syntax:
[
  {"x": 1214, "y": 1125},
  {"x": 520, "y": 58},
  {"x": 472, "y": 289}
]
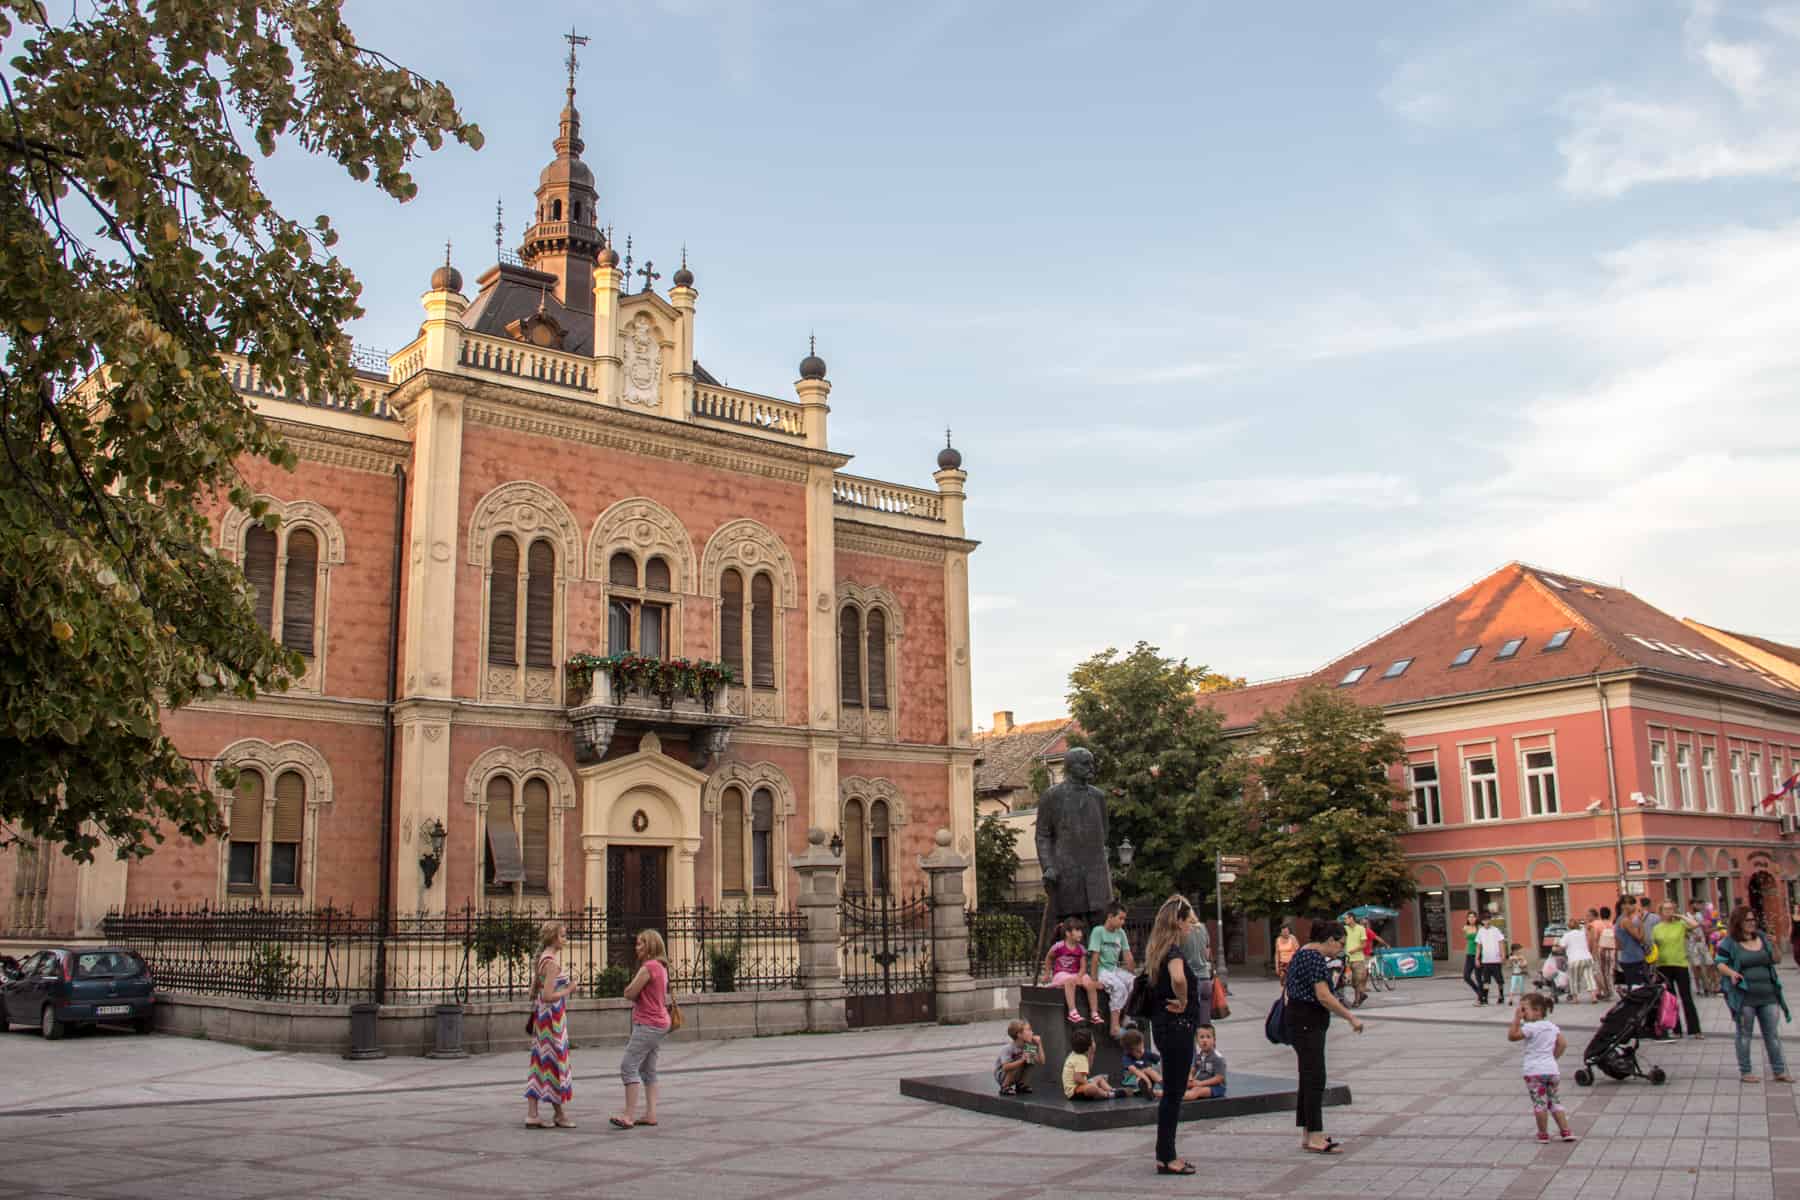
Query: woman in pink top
[{"x": 648, "y": 992}]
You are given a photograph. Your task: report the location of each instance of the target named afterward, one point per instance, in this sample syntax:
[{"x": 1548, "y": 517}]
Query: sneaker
[
  {"x": 1009, "y": 1089},
  {"x": 1024, "y": 1089},
  {"x": 1544, "y": 1138},
  {"x": 1568, "y": 1135}
]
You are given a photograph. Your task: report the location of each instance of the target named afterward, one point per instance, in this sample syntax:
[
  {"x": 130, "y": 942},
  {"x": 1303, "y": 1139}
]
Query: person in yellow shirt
[{"x": 1356, "y": 946}]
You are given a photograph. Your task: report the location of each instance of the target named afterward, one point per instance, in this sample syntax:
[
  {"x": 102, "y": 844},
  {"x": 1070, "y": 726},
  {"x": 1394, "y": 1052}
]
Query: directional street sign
[
  {"x": 1233, "y": 862},
  {"x": 1227, "y": 876}
]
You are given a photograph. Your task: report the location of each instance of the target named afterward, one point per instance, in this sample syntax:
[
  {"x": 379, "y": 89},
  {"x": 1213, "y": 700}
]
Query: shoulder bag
[
  {"x": 676, "y": 1020},
  {"x": 1275, "y": 1024}
]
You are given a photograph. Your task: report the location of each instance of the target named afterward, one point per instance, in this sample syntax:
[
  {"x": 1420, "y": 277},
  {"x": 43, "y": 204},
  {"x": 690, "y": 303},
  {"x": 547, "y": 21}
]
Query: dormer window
[{"x": 539, "y": 329}]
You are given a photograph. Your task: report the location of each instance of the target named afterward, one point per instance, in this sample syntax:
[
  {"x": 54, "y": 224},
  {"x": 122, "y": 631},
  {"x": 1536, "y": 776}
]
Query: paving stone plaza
[{"x": 1438, "y": 1111}]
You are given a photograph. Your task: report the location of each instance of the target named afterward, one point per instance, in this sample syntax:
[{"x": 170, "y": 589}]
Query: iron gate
[{"x": 887, "y": 959}]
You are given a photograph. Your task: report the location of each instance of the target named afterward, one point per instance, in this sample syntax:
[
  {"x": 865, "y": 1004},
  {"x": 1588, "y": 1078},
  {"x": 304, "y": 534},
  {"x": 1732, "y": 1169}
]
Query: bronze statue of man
[{"x": 1071, "y": 842}]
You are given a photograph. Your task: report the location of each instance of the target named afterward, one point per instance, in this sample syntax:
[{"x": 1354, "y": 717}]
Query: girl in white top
[{"x": 1544, "y": 1044}]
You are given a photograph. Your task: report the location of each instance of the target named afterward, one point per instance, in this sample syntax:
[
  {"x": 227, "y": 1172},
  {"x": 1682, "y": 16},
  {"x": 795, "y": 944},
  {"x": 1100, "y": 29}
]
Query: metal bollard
[
  {"x": 449, "y": 1032},
  {"x": 364, "y": 1038}
]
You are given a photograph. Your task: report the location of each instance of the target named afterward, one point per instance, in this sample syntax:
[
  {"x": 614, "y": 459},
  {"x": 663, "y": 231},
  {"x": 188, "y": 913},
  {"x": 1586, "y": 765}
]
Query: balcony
[{"x": 706, "y": 723}]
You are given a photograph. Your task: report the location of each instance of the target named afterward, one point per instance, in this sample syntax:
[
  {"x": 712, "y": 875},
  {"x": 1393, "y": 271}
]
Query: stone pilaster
[
  {"x": 813, "y": 395},
  {"x": 820, "y": 608},
  {"x": 606, "y": 331},
  {"x": 820, "y": 972},
  {"x": 682, "y": 297},
  {"x": 951, "y": 981}
]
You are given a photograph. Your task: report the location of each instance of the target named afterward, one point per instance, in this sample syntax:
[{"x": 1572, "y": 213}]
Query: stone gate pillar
[
  {"x": 820, "y": 972},
  {"x": 951, "y": 981}
]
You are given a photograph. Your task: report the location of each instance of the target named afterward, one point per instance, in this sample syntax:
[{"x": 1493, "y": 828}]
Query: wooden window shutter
[
  {"x": 731, "y": 841},
  {"x": 623, "y": 570},
  {"x": 731, "y": 622},
  {"x": 762, "y": 838},
  {"x": 656, "y": 575},
  {"x": 853, "y": 846},
  {"x": 878, "y": 661},
  {"x": 878, "y": 847},
  {"x": 850, "y": 657},
  {"x": 505, "y": 864},
  {"x": 290, "y": 807},
  {"x": 762, "y": 631},
  {"x": 537, "y": 835},
  {"x": 503, "y": 602},
  {"x": 247, "y": 809},
  {"x": 540, "y": 605},
  {"x": 298, "y": 591},
  {"x": 259, "y": 569}
]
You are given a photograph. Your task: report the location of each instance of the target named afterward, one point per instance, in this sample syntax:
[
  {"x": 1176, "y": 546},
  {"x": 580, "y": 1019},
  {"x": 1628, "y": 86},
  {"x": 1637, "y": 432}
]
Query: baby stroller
[
  {"x": 1553, "y": 977},
  {"x": 1613, "y": 1050}
]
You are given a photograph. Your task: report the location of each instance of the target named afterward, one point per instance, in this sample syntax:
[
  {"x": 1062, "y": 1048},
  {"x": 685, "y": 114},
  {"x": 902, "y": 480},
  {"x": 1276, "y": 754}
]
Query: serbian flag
[{"x": 1787, "y": 789}]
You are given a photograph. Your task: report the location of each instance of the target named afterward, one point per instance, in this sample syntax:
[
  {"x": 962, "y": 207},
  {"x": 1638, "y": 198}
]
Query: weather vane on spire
[
  {"x": 499, "y": 223},
  {"x": 574, "y": 39}
]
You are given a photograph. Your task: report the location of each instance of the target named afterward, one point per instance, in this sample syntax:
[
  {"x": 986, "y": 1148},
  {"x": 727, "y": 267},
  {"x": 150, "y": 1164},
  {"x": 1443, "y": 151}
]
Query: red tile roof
[{"x": 1610, "y": 630}]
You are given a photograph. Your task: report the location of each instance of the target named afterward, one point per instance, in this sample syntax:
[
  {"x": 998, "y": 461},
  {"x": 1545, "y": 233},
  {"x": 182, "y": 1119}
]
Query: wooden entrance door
[{"x": 636, "y": 897}]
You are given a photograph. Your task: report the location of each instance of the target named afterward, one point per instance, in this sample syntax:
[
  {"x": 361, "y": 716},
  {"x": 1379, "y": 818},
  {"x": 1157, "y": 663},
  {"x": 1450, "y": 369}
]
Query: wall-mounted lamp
[
  {"x": 837, "y": 844},
  {"x": 1127, "y": 852},
  {"x": 434, "y": 857}
]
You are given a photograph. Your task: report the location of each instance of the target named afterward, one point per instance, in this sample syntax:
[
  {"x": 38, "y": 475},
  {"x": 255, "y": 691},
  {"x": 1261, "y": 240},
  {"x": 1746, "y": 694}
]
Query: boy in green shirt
[{"x": 1107, "y": 948}]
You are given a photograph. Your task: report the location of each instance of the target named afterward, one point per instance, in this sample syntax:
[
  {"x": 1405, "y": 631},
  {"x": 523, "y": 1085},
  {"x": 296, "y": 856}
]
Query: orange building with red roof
[{"x": 1565, "y": 741}]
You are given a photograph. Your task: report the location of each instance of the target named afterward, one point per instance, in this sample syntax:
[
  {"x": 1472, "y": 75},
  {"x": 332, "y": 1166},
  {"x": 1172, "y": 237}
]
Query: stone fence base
[{"x": 487, "y": 1027}]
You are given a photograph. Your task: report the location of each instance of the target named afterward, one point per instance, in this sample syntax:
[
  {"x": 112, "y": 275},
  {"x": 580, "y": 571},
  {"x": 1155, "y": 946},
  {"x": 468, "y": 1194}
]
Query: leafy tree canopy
[
  {"x": 1323, "y": 819},
  {"x": 134, "y": 234},
  {"x": 996, "y": 859},
  {"x": 1162, "y": 762}
]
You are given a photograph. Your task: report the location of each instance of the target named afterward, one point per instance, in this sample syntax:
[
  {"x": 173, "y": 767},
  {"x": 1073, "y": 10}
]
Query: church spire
[{"x": 564, "y": 237}]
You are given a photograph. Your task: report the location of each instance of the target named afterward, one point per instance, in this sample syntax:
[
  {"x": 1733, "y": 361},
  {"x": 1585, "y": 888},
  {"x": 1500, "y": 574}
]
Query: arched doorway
[{"x": 1768, "y": 901}]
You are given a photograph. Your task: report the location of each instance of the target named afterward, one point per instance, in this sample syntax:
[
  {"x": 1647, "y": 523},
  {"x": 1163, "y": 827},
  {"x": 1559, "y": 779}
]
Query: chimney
[{"x": 1003, "y": 721}]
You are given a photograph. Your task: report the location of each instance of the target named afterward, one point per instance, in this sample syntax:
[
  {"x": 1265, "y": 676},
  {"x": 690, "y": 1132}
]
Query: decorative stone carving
[
  {"x": 526, "y": 509},
  {"x": 856, "y": 787},
  {"x": 642, "y": 375},
  {"x": 292, "y": 513},
  {"x": 645, "y": 528}
]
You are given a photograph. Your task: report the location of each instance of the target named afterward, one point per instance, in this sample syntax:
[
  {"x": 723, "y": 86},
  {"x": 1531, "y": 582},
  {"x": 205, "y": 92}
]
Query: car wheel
[
  {"x": 143, "y": 1024},
  {"x": 49, "y": 1026}
]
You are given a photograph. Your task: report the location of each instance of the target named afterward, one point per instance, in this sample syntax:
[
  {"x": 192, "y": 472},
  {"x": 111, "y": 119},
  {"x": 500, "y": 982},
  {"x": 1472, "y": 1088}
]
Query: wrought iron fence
[
  {"x": 1004, "y": 937},
  {"x": 333, "y": 956}
]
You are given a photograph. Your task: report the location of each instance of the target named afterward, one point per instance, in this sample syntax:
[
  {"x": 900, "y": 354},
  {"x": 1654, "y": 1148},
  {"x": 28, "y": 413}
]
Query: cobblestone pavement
[{"x": 1439, "y": 1111}]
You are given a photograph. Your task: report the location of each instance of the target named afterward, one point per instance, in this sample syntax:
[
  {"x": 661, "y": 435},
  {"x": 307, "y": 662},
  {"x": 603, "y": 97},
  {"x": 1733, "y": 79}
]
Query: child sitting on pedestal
[{"x": 1077, "y": 1083}]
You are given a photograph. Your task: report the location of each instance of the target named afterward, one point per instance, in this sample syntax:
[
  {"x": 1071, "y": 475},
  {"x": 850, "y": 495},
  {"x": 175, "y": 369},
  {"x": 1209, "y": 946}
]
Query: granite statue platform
[{"x": 1045, "y": 1105}]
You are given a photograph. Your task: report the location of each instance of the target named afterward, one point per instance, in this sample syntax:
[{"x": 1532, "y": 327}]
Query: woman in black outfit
[
  {"x": 1470, "y": 926},
  {"x": 1310, "y": 1003},
  {"x": 1175, "y": 993}
]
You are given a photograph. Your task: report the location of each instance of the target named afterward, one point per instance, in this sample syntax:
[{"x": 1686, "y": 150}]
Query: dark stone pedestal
[
  {"x": 1045, "y": 1105},
  {"x": 1048, "y": 1012}
]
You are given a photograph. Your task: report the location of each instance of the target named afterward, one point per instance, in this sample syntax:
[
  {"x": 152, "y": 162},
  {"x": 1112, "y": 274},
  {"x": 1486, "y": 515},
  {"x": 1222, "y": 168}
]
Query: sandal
[
  {"x": 538, "y": 1124},
  {"x": 620, "y": 1123},
  {"x": 1330, "y": 1147},
  {"x": 648, "y": 1124},
  {"x": 1074, "y": 1017},
  {"x": 1784, "y": 1077},
  {"x": 1750, "y": 1079},
  {"x": 1186, "y": 1168},
  {"x": 562, "y": 1123}
]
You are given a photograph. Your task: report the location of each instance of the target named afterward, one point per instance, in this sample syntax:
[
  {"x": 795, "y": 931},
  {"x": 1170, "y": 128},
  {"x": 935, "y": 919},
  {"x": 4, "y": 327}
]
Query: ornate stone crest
[{"x": 643, "y": 363}]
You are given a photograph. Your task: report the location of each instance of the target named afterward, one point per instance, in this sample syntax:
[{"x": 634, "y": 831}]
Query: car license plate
[{"x": 113, "y": 1010}]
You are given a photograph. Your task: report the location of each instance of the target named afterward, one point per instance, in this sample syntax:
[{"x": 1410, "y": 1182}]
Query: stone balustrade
[
  {"x": 503, "y": 356},
  {"x": 728, "y": 406},
  {"x": 894, "y": 499}
]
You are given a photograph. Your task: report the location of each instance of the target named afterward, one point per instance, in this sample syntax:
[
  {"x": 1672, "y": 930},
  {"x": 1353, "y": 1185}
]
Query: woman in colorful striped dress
[{"x": 550, "y": 1078}]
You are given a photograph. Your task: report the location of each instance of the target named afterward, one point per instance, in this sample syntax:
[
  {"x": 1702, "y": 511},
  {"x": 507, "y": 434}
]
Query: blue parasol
[{"x": 1371, "y": 912}]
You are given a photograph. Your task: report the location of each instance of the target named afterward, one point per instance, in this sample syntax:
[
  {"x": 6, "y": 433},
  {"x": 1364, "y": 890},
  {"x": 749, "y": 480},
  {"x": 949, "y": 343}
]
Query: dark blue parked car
[{"x": 79, "y": 985}]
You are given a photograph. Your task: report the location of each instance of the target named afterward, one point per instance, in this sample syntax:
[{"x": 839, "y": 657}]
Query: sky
[{"x": 1259, "y": 328}]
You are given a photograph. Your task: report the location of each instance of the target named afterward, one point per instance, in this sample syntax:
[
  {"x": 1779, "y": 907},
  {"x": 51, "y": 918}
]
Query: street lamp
[
  {"x": 434, "y": 857},
  {"x": 1126, "y": 853},
  {"x": 837, "y": 845}
]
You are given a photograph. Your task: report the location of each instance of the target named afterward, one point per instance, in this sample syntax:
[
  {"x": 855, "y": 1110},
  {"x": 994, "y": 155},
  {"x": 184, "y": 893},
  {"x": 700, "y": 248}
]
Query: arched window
[
  {"x": 501, "y": 851},
  {"x": 286, "y": 830},
  {"x": 535, "y": 835},
  {"x": 259, "y": 569},
  {"x": 299, "y": 591},
  {"x": 540, "y": 605},
  {"x": 556, "y": 210},
  {"x": 503, "y": 603},
  {"x": 850, "y": 657},
  {"x": 637, "y": 617},
  {"x": 244, "y": 872},
  {"x": 731, "y": 621},
  {"x": 877, "y": 643},
  {"x": 762, "y": 839},
  {"x": 854, "y": 849},
  {"x": 878, "y": 848},
  {"x": 731, "y": 842},
  {"x": 762, "y": 631}
]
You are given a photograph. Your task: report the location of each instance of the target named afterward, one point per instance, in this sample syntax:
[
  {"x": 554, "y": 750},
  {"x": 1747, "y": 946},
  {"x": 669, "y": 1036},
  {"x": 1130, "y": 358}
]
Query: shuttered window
[
  {"x": 299, "y": 591},
  {"x": 656, "y": 575},
  {"x": 623, "y": 570},
  {"x": 259, "y": 569},
  {"x": 762, "y": 631},
  {"x": 652, "y": 625},
  {"x": 853, "y": 847},
  {"x": 731, "y": 842},
  {"x": 540, "y": 605},
  {"x": 878, "y": 847},
  {"x": 850, "y": 658},
  {"x": 246, "y": 831},
  {"x": 503, "y": 602},
  {"x": 878, "y": 663},
  {"x": 618, "y": 626},
  {"x": 504, "y": 863},
  {"x": 731, "y": 622},
  {"x": 285, "y": 830},
  {"x": 762, "y": 836},
  {"x": 537, "y": 835}
]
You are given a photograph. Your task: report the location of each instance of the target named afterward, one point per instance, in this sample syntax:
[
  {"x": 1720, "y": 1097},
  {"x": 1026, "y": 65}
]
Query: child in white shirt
[{"x": 1544, "y": 1044}]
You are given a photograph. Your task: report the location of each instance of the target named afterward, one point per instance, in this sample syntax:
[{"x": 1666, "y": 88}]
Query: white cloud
[{"x": 1220, "y": 497}]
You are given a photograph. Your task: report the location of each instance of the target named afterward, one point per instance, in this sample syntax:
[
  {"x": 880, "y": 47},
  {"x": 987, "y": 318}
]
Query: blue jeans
[{"x": 1747, "y": 1018}]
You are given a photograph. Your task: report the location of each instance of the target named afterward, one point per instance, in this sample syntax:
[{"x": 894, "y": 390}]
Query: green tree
[
  {"x": 1323, "y": 815},
  {"x": 996, "y": 859},
  {"x": 1163, "y": 764},
  {"x": 134, "y": 234}
]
